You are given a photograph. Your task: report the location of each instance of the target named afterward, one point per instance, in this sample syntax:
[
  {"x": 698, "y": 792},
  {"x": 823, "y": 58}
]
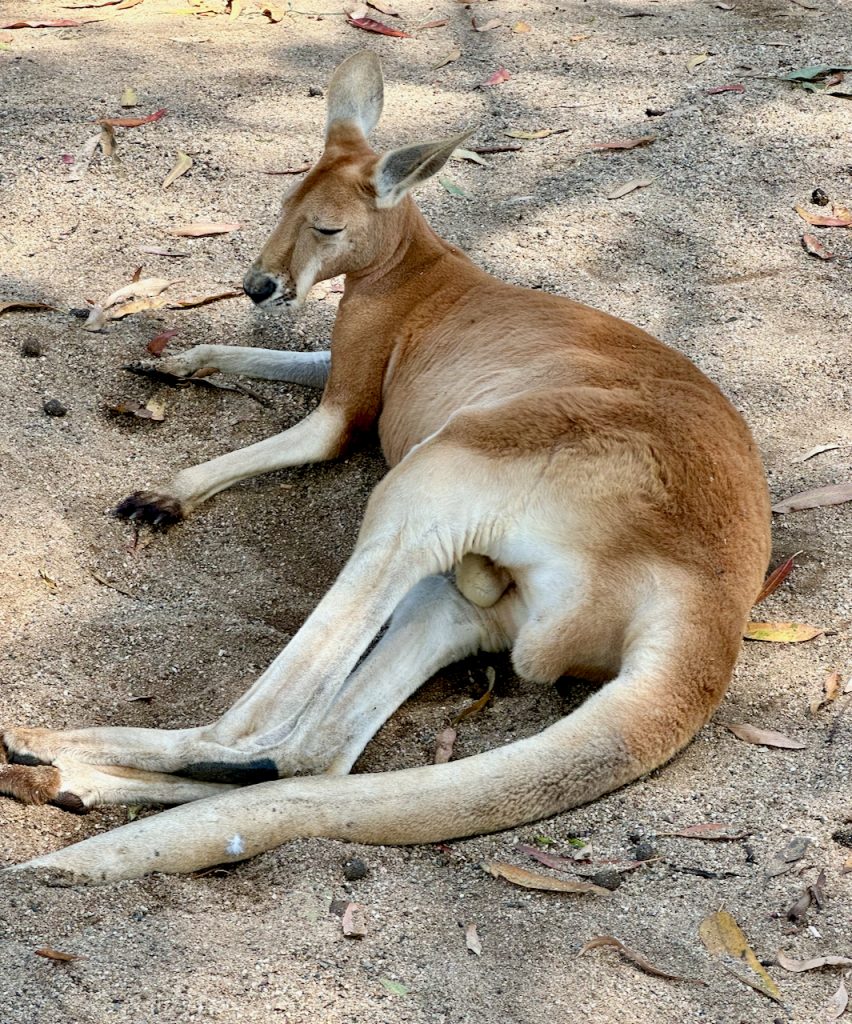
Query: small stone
[
  {"x": 644, "y": 850},
  {"x": 80, "y": 313},
  {"x": 314, "y": 91},
  {"x": 608, "y": 878},
  {"x": 353, "y": 869},
  {"x": 31, "y": 349},
  {"x": 819, "y": 197},
  {"x": 53, "y": 407}
]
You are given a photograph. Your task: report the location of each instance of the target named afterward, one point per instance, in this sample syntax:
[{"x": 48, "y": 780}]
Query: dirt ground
[{"x": 708, "y": 258}]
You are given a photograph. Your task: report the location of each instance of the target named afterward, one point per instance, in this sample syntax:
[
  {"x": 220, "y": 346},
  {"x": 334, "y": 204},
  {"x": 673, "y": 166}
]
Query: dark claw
[
  {"x": 156, "y": 374},
  {"x": 155, "y": 510}
]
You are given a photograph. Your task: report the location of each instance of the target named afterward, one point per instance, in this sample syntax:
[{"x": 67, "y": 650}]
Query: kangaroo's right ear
[
  {"x": 356, "y": 92},
  {"x": 402, "y": 169}
]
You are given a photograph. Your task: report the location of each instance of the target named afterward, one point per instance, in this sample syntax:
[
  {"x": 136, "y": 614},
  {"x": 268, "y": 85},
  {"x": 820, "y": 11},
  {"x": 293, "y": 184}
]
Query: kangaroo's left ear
[{"x": 402, "y": 169}]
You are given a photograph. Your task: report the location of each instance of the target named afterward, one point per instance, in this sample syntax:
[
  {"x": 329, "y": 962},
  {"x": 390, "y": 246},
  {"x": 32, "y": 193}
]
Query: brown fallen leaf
[
  {"x": 838, "y": 220},
  {"x": 762, "y": 737},
  {"x": 471, "y": 939},
  {"x": 137, "y": 274},
  {"x": 291, "y": 170},
  {"x": 132, "y": 122},
  {"x": 204, "y": 300},
  {"x": 733, "y": 87},
  {"x": 715, "y": 830},
  {"x": 202, "y": 228},
  {"x": 539, "y": 133},
  {"x": 831, "y": 689},
  {"x": 782, "y": 632},
  {"x": 444, "y": 745},
  {"x": 816, "y": 497},
  {"x": 136, "y": 306},
  {"x": 478, "y": 705},
  {"x": 153, "y": 409},
  {"x": 782, "y": 861},
  {"x": 54, "y": 23},
  {"x": 10, "y": 305},
  {"x": 371, "y": 25},
  {"x": 796, "y": 911},
  {"x": 497, "y": 149},
  {"x": 156, "y": 250},
  {"x": 723, "y": 938},
  {"x": 156, "y": 345},
  {"x": 125, "y": 5},
  {"x": 448, "y": 58},
  {"x": 837, "y": 1004},
  {"x": 107, "y": 140},
  {"x": 629, "y": 186},
  {"x": 643, "y": 140},
  {"x": 183, "y": 164},
  {"x": 90, "y": 4},
  {"x": 273, "y": 12},
  {"x": 814, "y": 247},
  {"x": 500, "y": 75},
  {"x": 486, "y": 26},
  {"x": 641, "y": 962},
  {"x": 354, "y": 921},
  {"x": 816, "y": 450},
  {"x": 797, "y": 966},
  {"x": 774, "y": 580},
  {"x": 146, "y": 288},
  {"x": 54, "y": 954},
  {"x": 534, "y": 880}
]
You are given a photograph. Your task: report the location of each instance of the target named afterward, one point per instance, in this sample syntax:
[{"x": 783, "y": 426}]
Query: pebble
[
  {"x": 608, "y": 878},
  {"x": 53, "y": 407},
  {"x": 353, "y": 869},
  {"x": 31, "y": 349}
]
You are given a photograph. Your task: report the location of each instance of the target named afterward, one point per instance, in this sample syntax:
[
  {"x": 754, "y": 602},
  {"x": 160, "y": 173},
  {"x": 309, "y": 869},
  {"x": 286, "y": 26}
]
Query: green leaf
[
  {"x": 453, "y": 188},
  {"x": 814, "y": 71},
  {"x": 394, "y": 987}
]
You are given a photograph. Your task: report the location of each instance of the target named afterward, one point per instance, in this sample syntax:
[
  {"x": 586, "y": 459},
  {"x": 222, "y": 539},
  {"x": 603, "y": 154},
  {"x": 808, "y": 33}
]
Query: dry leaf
[
  {"x": 762, "y": 737},
  {"x": 202, "y": 228},
  {"x": 354, "y": 921},
  {"x": 697, "y": 59},
  {"x": 146, "y": 288},
  {"x": 444, "y": 745},
  {"x": 204, "y": 300},
  {"x": 637, "y": 958},
  {"x": 132, "y": 122},
  {"x": 156, "y": 250},
  {"x": 471, "y": 939},
  {"x": 579, "y": 38},
  {"x": 448, "y": 58},
  {"x": 816, "y": 497},
  {"x": 830, "y": 692},
  {"x": 629, "y": 186},
  {"x": 643, "y": 140},
  {"x": 15, "y": 304},
  {"x": 500, "y": 75},
  {"x": 55, "y": 954},
  {"x": 84, "y": 158},
  {"x": 708, "y": 830},
  {"x": 734, "y": 87},
  {"x": 235, "y": 8},
  {"x": 291, "y": 170},
  {"x": 797, "y": 966},
  {"x": 384, "y": 8},
  {"x": 782, "y": 861},
  {"x": 816, "y": 450},
  {"x": 486, "y": 26},
  {"x": 782, "y": 632},
  {"x": 723, "y": 937},
  {"x": 371, "y": 25},
  {"x": 153, "y": 409},
  {"x": 540, "y": 133},
  {"x": 534, "y": 880},
  {"x": 183, "y": 164},
  {"x": 128, "y": 98},
  {"x": 521, "y": 26},
  {"x": 156, "y": 345},
  {"x": 468, "y": 154},
  {"x": 838, "y": 1002},
  {"x": 273, "y": 12},
  {"x": 136, "y": 306},
  {"x": 812, "y": 245},
  {"x": 56, "y": 23},
  {"x": 107, "y": 140},
  {"x": 774, "y": 580},
  {"x": 478, "y": 705},
  {"x": 842, "y": 218}
]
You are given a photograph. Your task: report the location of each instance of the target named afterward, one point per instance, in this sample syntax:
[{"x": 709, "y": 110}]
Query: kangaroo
[{"x": 561, "y": 485}]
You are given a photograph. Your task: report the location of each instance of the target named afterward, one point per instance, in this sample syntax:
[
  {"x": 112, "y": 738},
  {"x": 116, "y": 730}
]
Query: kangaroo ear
[
  {"x": 402, "y": 169},
  {"x": 356, "y": 92}
]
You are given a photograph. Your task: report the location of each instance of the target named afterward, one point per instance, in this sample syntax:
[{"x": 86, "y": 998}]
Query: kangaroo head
[{"x": 348, "y": 212}]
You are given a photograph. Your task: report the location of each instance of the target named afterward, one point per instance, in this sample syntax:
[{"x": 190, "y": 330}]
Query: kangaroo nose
[{"x": 259, "y": 285}]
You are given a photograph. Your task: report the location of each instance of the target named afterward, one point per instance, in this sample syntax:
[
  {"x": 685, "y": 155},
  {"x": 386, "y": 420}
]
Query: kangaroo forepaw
[{"x": 150, "y": 508}]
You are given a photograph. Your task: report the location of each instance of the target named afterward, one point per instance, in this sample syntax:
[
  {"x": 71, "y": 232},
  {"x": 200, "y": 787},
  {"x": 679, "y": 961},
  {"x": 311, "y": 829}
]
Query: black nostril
[{"x": 259, "y": 287}]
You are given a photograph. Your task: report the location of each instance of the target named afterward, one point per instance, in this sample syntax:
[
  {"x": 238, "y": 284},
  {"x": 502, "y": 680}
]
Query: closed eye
[{"x": 328, "y": 231}]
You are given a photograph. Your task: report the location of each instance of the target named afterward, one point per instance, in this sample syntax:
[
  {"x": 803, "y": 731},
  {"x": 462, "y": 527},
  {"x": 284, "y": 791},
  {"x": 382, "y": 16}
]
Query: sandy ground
[{"x": 708, "y": 258}]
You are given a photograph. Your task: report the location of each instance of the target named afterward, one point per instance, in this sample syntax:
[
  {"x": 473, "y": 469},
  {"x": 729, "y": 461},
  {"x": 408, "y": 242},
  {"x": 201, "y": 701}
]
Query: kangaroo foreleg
[{"x": 307, "y": 368}]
